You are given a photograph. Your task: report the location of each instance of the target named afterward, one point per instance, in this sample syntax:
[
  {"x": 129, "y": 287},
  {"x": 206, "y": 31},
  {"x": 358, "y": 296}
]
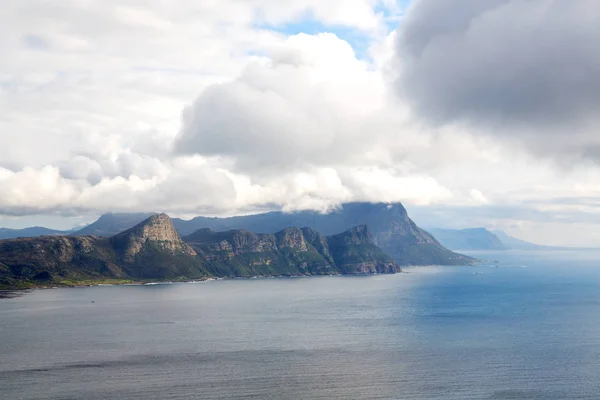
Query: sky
[{"x": 470, "y": 113}]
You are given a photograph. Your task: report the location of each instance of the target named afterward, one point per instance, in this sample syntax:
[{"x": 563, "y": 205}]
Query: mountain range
[
  {"x": 453, "y": 239},
  {"x": 393, "y": 231},
  {"x": 154, "y": 250},
  {"x": 356, "y": 238}
]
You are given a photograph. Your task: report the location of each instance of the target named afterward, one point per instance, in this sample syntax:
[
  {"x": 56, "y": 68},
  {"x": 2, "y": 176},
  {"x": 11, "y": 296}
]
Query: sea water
[{"x": 525, "y": 325}]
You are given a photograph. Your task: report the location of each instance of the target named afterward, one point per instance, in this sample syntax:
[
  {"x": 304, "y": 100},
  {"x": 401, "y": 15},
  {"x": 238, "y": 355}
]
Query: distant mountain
[
  {"x": 468, "y": 239},
  {"x": 112, "y": 223},
  {"x": 482, "y": 239},
  {"x": 153, "y": 250},
  {"x": 518, "y": 244},
  {"x": 6, "y": 233}
]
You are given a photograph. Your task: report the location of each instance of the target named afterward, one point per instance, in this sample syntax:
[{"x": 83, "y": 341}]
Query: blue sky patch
[{"x": 35, "y": 42}]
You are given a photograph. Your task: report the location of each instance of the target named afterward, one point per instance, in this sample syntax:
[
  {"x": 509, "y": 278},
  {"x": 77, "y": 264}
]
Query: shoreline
[{"x": 7, "y": 293}]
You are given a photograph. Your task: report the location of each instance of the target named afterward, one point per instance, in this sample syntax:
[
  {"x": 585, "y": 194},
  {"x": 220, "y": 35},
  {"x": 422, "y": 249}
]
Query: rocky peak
[
  {"x": 158, "y": 230},
  {"x": 158, "y": 227},
  {"x": 292, "y": 238}
]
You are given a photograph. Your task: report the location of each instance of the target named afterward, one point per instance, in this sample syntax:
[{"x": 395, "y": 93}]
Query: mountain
[
  {"x": 518, "y": 244},
  {"x": 153, "y": 250},
  {"x": 482, "y": 239},
  {"x": 292, "y": 251},
  {"x": 468, "y": 239},
  {"x": 150, "y": 250},
  {"x": 112, "y": 223},
  {"x": 393, "y": 231},
  {"x": 6, "y": 233}
]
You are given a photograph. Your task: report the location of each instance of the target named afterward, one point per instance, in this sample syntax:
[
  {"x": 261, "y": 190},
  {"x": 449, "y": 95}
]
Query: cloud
[
  {"x": 308, "y": 103},
  {"x": 315, "y": 114},
  {"x": 522, "y": 70},
  {"x": 280, "y": 122},
  {"x": 92, "y": 95}
]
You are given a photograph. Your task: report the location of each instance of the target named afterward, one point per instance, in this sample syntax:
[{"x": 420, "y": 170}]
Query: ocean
[{"x": 525, "y": 325}]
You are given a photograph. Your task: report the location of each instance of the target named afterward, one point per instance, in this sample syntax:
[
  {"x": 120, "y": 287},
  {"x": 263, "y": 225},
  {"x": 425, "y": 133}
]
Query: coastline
[{"x": 7, "y": 292}]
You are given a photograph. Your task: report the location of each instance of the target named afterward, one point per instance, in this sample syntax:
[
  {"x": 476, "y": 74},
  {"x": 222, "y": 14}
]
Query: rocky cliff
[
  {"x": 291, "y": 251},
  {"x": 153, "y": 250},
  {"x": 158, "y": 231}
]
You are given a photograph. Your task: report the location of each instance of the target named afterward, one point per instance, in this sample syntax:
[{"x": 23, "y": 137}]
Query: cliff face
[
  {"x": 223, "y": 246},
  {"x": 157, "y": 231},
  {"x": 291, "y": 238},
  {"x": 242, "y": 253},
  {"x": 153, "y": 249}
]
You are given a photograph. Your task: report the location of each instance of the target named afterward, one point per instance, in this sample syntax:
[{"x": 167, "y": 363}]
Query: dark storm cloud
[{"x": 522, "y": 65}]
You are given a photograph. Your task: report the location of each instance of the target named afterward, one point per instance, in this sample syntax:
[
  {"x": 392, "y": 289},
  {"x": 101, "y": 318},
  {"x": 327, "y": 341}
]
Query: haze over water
[{"x": 529, "y": 329}]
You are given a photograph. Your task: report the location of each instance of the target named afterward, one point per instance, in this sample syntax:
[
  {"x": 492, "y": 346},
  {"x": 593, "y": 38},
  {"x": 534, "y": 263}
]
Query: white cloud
[{"x": 309, "y": 104}]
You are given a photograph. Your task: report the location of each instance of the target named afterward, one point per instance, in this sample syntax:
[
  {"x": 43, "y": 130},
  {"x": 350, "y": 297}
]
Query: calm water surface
[{"x": 528, "y": 329}]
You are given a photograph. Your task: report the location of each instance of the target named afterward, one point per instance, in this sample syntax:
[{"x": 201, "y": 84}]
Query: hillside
[{"x": 153, "y": 250}]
